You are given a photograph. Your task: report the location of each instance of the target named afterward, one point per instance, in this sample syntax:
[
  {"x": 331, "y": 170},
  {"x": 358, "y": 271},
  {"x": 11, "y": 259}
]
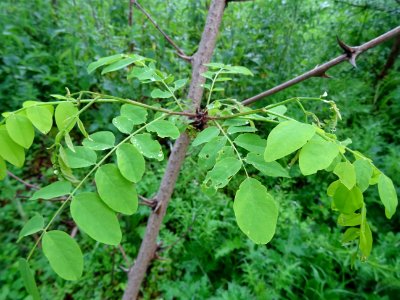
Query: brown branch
[
  {"x": 394, "y": 53},
  {"x": 350, "y": 55},
  {"x": 130, "y": 16},
  {"x": 149, "y": 244},
  {"x": 27, "y": 184},
  {"x": 169, "y": 40}
]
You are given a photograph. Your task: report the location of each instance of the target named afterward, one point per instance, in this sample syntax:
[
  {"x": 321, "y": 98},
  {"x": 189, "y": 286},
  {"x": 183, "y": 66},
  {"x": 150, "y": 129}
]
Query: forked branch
[{"x": 350, "y": 55}]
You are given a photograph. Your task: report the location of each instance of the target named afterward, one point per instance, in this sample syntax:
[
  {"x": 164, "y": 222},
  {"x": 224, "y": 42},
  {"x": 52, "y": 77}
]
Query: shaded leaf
[
  {"x": 104, "y": 61},
  {"x": 364, "y": 171},
  {"x": 147, "y": 146},
  {"x": 206, "y": 135},
  {"x": 157, "y": 93},
  {"x": 28, "y": 279},
  {"x": 34, "y": 224},
  {"x": 222, "y": 172},
  {"x": 273, "y": 168},
  {"x": 348, "y": 201},
  {"x": 251, "y": 142},
  {"x": 387, "y": 193},
  {"x": 9, "y": 150}
]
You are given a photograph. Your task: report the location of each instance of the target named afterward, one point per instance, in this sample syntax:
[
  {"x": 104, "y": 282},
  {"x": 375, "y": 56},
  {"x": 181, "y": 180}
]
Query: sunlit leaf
[
  {"x": 104, "y": 61},
  {"x": 9, "y": 150},
  {"x": 65, "y": 116},
  {"x": 81, "y": 158},
  {"x": 41, "y": 117},
  {"x": 273, "y": 168},
  {"x": 164, "y": 129},
  {"x": 346, "y": 173},
  {"x": 387, "y": 193},
  {"x": 130, "y": 162},
  {"x": 251, "y": 142},
  {"x": 53, "y": 190},
  {"x": 147, "y": 146},
  {"x": 34, "y": 224},
  {"x": 20, "y": 130},
  {"x": 101, "y": 140}
]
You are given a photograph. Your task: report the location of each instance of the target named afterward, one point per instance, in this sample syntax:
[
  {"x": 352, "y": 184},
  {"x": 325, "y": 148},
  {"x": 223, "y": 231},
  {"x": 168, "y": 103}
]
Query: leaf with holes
[{"x": 222, "y": 172}]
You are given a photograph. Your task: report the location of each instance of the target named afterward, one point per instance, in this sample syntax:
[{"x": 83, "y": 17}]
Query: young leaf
[
  {"x": 286, "y": 138},
  {"x": 350, "y": 235},
  {"x": 95, "y": 218},
  {"x": 28, "y": 279},
  {"x": 136, "y": 114},
  {"x": 64, "y": 254},
  {"x": 53, "y": 190},
  {"x": 120, "y": 64},
  {"x": 273, "y": 168},
  {"x": 206, "y": 135},
  {"x": 365, "y": 235},
  {"x": 164, "y": 129},
  {"x": 41, "y": 117},
  {"x": 81, "y": 158},
  {"x": 157, "y": 94},
  {"x": 348, "y": 201},
  {"x": 123, "y": 124},
  {"x": 256, "y": 211},
  {"x": 20, "y": 130},
  {"x": 34, "y": 224},
  {"x": 101, "y": 140},
  {"x": 251, "y": 142},
  {"x": 3, "y": 169},
  {"x": 363, "y": 173},
  {"x": 147, "y": 146},
  {"x": 349, "y": 220},
  {"x": 222, "y": 172},
  {"x": 116, "y": 191},
  {"x": 65, "y": 116},
  {"x": 346, "y": 173},
  {"x": 130, "y": 162},
  {"x": 104, "y": 61},
  {"x": 317, "y": 154},
  {"x": 387, "y": 193},
  {"x": 9, "y": 150}
]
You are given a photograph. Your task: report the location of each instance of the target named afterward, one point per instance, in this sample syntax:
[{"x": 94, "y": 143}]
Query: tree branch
[
  {"x": 175, "y": 161},
  {"x": 350, "y": 55},
  {"x": 27, "y": 184},
  {"x": 179, "y": 51}
]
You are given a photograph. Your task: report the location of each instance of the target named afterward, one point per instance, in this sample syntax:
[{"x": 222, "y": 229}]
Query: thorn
[
  {"x": 351, "y": 52},
  {"x": 323, "y": 75},
  {"x": 352, "y": 60}
]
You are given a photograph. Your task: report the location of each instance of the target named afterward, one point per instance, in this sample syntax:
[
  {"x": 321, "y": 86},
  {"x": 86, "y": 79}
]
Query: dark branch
[
  {"x": 27, "y": 184},
  {"x": 394, "y": 53},
  {"x": 172, "y": 43},
  {"x": 350, "y": 55}
]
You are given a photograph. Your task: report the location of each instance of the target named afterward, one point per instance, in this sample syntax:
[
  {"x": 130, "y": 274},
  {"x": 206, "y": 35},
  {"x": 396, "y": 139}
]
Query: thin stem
[
  {"x": 61, "y": 208},
  {"x": 233, "y": 146},
  {"x": 212, "y": 86},
  {"x": 27, "y": 184},
  {"x": 173, "y": 95}
]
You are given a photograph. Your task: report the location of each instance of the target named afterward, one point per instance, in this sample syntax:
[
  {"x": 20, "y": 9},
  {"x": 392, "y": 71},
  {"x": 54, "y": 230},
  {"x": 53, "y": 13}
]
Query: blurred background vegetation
[{"x": 46, "y": 45}]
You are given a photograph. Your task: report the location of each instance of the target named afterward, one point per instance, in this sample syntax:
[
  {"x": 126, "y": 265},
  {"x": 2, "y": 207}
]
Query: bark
[
  {"x": 149, "y": 243},
  {"x": 350, "y": 55}
]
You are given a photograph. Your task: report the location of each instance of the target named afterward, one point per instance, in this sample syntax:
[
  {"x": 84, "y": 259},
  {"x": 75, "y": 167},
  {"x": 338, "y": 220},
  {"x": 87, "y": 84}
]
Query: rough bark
[
  {"x": 350, "y": 55},
  {"x": 149, "y": 243}
]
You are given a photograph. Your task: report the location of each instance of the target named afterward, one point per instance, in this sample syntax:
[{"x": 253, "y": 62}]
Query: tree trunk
[{"x": 149, "y": 243}]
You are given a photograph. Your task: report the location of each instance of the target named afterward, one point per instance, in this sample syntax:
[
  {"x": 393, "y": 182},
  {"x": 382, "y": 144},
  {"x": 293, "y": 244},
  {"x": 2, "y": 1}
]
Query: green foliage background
[{"x": 46, "y": 46}]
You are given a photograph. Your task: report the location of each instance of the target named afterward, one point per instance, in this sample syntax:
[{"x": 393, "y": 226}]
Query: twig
[
  {"x": 74, "y": 231},
  {"x": 27, "y": 184},
  {"x": 178, "y": 50},
  {"x": 394, "y": 53},
  {"x": 350, "y": 55},
  {"x": 121, "y": 249}
]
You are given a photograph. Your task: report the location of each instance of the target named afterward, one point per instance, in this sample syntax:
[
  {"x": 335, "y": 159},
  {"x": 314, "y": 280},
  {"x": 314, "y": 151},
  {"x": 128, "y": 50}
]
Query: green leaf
[
  {"x": 332, "y": 188},
  {"x": 364, "y": 171},
  {"x": 82, "y": 157},
  {"x": 239, "y": 70},
  {"x": 349, "y": 220},
  {"x": 104, "y": 61},
  {"x": 317, "y": 154},
  {"x": 101, "y": 140},
  {"x": 96, "y": 219},
  {"x": 179, "y": 84},
  {"x": 251, "y": 142},
  {"x": 348, "y": 201},
  {"x": 375, "y": 176},
  {"x": 137, "y": 115},
  {"x": 222, "y": 172},
  {"x": 206, "y": 135},
  {"x": 130, "y": 162},
  {"x": 209, "y": 152},
  {"x": 286, "y": 138},
  {"x": 365, "y": 235},
  {"x": 41, "y": 117},
  {"x": 164, "y": 129},
  {"x": 236, "y": 129},
  {"x": 116, "y": 191},
  {"x": 9, "y": 150},
  {"x": 144, "y": 73},
  {"x": 28, "y": 279},
  {"x": 273, "y": 168},
  {"x": 157, "y": 94},
  {"x": 256, "y": 211},
  {"x": 65, "y": 116},
  {"x": 215, "y": 65},
  {"x": 350, "y": 235},
  {"x": 3, "y": 169},
  {"x": 387, "y": 193},
  {"x": 34, "y": 224},
  {"x": 123, "y": 124},
  {"x": 20, "y": 130},
  {"x": 53, "y": 190},
  {"x": 346, "y": 173},
  {"x": 68, "y": 142},
  {"x": 147, "y": 146},
  {"x": 281, "y": 110},
  {"x": 82, "y": 128},
  {"x": 64, "y": 254},
  {"x": 120, "y": 64}
]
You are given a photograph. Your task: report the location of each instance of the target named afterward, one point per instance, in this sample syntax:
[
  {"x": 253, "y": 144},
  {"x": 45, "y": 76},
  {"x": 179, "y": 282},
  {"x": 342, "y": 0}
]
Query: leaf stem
[
  {"x": 61, "y": 208},
  {"x": 212, "y": 85}
]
